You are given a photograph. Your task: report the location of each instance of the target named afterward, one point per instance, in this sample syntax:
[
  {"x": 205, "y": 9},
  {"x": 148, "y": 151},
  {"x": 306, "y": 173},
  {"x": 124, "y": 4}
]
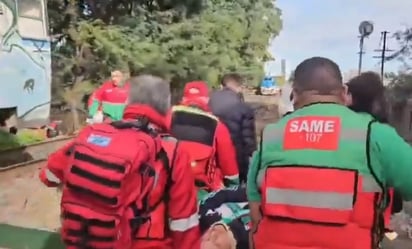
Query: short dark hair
[
  {"x": 366, "y": 86},
  {"x": 368, "y": 95},
  {"x": 317, "y": 74},
  {"x": 231, "y": 77}
]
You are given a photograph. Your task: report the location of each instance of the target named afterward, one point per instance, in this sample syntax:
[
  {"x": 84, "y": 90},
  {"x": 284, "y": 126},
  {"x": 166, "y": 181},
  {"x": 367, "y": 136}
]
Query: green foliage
[
  {"x": 8, "y": 141},
  {"x": 400, "y": 87},
  {"x": 23, "y": 137},
  {"x": 26, "y": 137},
  {"x": 180, "y": 40},
  {"x": 404, "y": 53}
]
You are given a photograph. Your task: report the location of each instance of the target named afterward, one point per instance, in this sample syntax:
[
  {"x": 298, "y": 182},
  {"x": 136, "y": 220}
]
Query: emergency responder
[
  {"x": 206, "y": 139},
  {"x": 172, "y": 221},
  {"x": 229, "y": 106},
  {"x": 321, "y": 174},
  {"x": 366, "y": 94},
  {"x": 110, "y": 98}
]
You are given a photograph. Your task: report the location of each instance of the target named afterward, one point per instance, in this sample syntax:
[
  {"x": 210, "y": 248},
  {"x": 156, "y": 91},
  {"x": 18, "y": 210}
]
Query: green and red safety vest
[{"x": 318, "y": 187}]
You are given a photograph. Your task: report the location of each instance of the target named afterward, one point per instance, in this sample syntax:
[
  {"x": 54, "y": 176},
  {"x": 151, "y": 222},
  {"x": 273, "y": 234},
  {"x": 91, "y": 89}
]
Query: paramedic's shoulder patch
[
  {"x": 99, "y": 140},
  {"x": 312, "y": 132}
]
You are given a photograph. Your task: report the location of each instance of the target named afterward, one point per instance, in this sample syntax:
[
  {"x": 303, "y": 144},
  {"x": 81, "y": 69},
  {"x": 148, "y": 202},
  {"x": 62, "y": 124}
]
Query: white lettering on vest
[{"x": 313, "y": 129}]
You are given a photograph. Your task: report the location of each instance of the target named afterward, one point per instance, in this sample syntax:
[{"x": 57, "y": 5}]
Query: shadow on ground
[{"x": 12, "y": 237}]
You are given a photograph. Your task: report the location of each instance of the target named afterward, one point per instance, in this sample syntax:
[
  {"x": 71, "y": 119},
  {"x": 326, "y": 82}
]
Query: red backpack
[{"x": 107, "y": 184}]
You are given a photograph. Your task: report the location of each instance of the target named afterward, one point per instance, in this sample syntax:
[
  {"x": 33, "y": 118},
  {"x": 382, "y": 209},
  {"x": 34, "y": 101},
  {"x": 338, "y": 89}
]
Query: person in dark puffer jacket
[{"x": 228, "y": 105}]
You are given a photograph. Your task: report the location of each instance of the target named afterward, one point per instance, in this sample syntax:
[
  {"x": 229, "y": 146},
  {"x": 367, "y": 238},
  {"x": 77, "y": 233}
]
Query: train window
[
  {"x": 30, "y": 9},
  {"x": 31, "y": 19}
]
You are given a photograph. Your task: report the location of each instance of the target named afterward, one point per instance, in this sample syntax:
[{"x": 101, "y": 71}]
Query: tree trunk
[{"x": 75, "y": 115}]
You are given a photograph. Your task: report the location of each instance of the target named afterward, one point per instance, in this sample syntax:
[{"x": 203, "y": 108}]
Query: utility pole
[
  {"x": 365, "y": 29},
  {"x": 383, "y": 51},
  {"x": 362, "y": 38}
]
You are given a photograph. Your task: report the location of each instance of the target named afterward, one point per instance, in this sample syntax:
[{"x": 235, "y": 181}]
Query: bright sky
[{"x": 329, "y": 28}]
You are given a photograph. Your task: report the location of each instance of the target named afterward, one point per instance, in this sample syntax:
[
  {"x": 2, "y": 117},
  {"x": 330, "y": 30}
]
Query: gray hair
[{"x": 152, "y": 91}]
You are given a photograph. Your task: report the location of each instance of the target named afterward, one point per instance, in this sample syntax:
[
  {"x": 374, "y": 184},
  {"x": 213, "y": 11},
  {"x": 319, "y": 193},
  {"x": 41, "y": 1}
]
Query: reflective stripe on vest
[
  {"x": 193, "y": 110},
  {"x": 369, "y": 184},
  {"x": 232, "y": 177},
  {"x": 276, "y": 134},
  {"x": 316, "y": 194},
  {"x": 51, "y": 177},
  {"x": 111, "y": 103},
  {"x": 338, "y": 201},
  {"x": 182, "y": 225},
  {"x": 331, "y": 200}
]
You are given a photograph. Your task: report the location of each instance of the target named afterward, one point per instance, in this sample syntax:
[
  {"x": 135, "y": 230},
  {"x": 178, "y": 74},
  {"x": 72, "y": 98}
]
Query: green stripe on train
[{"x": 12, "y": 237}]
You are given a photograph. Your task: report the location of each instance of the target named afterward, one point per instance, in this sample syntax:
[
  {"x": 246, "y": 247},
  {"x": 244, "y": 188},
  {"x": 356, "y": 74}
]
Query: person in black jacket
[
  {"x": 228, "y": 105},
  {"x": 366, "y": 93}
]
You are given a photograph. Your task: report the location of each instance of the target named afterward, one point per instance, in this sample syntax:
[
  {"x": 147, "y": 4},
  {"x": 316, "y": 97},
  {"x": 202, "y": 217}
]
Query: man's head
[
  {"x": 317, "y": 79},
  {"x": 119, "y": 77},
  {"x": 196, "y": 92},
  {"x": 152, "y": 91},
  {"x": 366, "y": 93},
  {"x": 232, "y": 81},
  {"x": 218, "y": 236}
]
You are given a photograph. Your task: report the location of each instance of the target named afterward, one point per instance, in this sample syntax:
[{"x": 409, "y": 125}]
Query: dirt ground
[{"x": 26, "y": 202}]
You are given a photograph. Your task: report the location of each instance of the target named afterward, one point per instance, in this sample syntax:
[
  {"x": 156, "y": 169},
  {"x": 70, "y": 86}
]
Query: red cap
[{"x": 196, "y": 89}]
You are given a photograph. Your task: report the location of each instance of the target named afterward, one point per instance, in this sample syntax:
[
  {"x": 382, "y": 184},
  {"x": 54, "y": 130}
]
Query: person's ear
[
  {"x": 345, "y": 88},
  {"x": 295, "y": 99},
  {"x": 346, "y": 96},
  {"x": 348, "y": 99}
]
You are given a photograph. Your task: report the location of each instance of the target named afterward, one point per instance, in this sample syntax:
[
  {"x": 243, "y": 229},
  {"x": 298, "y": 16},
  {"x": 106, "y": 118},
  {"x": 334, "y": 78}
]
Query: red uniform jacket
[
  {"x": 109, "y": 92},
  {"x": 182, "y": 204},
  {"x": 225, "y": 155}
]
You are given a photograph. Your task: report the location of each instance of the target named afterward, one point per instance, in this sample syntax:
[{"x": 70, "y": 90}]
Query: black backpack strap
[
  {"x": 381, "y": 201},
  {"x": 141, "y": 123},
  {"x": 168, "y": 166},
  {"x": 141, "y": 216}
]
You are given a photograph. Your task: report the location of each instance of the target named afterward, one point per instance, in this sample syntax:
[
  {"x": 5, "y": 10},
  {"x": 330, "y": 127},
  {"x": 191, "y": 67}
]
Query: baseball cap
[{"x": 196, "y": 89}]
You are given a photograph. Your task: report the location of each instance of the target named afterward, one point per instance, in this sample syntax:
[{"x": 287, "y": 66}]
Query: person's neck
[
  {"x": 230, "y": 89},
  {"x": 309, "y": 100}
]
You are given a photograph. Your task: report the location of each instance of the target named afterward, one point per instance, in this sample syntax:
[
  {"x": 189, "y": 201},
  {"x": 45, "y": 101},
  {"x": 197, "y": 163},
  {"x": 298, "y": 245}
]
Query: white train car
[{"x": 25, "y": 62}]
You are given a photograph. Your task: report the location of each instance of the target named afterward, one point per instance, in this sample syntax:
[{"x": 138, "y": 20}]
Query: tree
[
  {"x": 404, "y": 53},
  {"x": 400, "y": 87},
  {"x": 180, "y": 40}
]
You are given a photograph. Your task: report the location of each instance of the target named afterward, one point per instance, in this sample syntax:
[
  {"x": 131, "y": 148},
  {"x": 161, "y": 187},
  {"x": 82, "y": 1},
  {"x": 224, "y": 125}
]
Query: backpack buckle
[{"x": 137, "y": 222}]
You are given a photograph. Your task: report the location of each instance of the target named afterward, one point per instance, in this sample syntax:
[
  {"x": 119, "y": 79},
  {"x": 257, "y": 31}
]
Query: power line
[{"x": 383, "y": 51}]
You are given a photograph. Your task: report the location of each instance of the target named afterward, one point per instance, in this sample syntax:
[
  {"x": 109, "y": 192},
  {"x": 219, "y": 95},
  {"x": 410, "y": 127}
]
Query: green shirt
[{"x": 391, "y": 159}]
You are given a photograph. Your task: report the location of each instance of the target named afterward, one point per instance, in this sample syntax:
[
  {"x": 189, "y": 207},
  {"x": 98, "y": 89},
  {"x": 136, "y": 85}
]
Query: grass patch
[
  {"x": 26, "y": 137},
  {"x": 22, "y": 138},
  {"x": 25, "y": 238}
]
